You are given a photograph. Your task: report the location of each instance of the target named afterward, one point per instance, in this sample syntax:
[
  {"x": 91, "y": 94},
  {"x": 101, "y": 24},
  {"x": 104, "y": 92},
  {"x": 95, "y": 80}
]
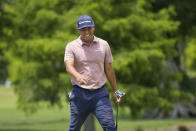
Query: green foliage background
[{"x": 153, "y": 44}]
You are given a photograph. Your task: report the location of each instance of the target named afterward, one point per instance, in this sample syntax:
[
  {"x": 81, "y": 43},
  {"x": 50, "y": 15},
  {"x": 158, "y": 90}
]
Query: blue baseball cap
[{"x": 85, "y": 21}]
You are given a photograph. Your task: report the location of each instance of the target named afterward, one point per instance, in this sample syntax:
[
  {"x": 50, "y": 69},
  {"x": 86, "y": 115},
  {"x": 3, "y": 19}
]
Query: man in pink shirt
[{"x": 88, "y": 60}]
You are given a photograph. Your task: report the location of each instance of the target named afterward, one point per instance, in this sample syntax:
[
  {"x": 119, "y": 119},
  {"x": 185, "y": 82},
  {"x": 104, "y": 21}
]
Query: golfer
[{"x": 88, "y": 60}]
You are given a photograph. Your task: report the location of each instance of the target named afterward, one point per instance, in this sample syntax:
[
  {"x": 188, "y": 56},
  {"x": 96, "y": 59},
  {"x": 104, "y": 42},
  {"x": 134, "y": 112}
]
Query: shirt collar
[{"x": 95, "y": 40}]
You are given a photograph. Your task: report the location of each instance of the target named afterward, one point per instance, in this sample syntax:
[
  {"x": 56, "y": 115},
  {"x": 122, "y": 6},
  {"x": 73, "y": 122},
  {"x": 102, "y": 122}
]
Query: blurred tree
[
  {"x": 191, "y": 57},
  {"x": 5, "y": 35},
  {"x": 37, "y": 72},
  {"x": 185, "y": 14},
  {"x": 36, "y": 59}
]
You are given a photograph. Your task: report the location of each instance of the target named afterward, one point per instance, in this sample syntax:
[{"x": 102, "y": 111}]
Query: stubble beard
[{"x": 88, "y": 38}]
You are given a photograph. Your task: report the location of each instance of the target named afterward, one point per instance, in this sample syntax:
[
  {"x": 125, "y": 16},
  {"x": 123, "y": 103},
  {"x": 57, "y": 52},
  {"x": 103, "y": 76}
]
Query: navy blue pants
[{"x": 83, "y": 102}]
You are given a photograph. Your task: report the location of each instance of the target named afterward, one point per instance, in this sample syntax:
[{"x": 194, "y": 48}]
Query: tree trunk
[{"x": 89, "y": 123}]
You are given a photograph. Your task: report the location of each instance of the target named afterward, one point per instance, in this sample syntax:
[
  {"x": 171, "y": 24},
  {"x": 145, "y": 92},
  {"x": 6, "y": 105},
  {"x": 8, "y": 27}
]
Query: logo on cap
[{"x": 87, "y": 21}]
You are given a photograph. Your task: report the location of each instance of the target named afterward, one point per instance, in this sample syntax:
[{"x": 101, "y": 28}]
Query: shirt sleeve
[
  {"x": 69, "y": 55},
  {"x": 108, "y": 54}
]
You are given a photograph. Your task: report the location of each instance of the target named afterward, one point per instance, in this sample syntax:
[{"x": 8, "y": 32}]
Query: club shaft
[{"x": 117, "y": 118}]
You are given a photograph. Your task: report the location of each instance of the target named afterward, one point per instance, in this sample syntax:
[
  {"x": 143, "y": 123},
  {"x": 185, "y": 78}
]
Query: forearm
[
  {"x": 72, "y": 71},
  {"x": 111, "y": 77}
]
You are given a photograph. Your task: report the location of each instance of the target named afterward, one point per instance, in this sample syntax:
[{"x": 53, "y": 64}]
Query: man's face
[{"x": 87, "y": 33}]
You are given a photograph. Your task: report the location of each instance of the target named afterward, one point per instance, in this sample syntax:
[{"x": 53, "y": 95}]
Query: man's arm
[
  {"x": 72, "y": 71},
  {"x": 112, "y": 79}
]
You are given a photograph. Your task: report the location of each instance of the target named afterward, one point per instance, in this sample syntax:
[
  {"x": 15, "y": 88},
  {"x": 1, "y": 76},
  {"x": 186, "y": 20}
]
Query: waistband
[{"x": 90, "y": 90}]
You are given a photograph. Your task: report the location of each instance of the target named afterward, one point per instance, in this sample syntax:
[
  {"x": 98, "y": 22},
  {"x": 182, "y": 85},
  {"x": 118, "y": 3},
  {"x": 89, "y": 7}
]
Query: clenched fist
[{"x": 81, "y": 79}]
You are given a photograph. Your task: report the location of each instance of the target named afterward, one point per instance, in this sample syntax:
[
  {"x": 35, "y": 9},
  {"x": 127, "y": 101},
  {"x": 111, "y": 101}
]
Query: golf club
[{"x": 120, "y": 94}]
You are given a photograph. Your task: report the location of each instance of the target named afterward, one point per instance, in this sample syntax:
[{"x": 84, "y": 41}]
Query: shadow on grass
[
  {"x": 28, "y": 123},
  {"x": 22, "y": 130},
  {"x": 31, "y": 123}
]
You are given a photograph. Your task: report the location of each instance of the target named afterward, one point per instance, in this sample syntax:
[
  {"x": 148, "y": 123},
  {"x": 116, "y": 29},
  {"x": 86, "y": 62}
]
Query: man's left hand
[{"x": 118, "y": 98}]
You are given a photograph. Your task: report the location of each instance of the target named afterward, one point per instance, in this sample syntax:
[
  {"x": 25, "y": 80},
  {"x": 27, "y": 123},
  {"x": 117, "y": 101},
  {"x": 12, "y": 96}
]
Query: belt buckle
[{"x": 91, "y": 89}]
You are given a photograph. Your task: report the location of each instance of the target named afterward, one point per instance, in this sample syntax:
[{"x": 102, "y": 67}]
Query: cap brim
[{"x": 85, "y": 26}]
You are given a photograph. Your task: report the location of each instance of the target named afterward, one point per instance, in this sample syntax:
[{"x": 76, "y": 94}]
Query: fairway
[
  {"x": 55, "y": 119},
  {"x": 45, "y": 119}
]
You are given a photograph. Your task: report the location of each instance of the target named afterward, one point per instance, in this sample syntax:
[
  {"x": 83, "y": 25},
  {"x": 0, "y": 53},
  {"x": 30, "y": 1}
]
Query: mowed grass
[
  {"x": 45, "y": 119},
  {"x": 55, "y": 119}
]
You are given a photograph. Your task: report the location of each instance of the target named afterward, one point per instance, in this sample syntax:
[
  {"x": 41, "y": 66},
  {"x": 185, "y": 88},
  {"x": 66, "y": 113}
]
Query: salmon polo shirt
[{"x": 89, "y": 61}]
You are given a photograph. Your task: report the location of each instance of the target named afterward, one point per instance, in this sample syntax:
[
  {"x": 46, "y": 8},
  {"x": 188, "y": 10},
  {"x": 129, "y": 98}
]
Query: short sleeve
[
  {"x": 108, "y": 54},
  {"x": 69, "y": 55}
]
